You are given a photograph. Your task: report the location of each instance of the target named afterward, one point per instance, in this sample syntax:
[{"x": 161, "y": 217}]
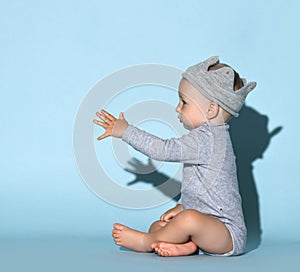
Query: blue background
[{"x": 53, "y": 52}]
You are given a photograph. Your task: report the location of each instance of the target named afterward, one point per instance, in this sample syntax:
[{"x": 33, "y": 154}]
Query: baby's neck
[
  {"x": 221, "y": 118},
  {"x": 218, "y": 121}
]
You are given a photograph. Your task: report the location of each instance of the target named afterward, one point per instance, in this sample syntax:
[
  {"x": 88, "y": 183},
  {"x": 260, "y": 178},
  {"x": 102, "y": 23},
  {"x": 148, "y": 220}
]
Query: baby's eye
[{"x": 183, "y": 102}]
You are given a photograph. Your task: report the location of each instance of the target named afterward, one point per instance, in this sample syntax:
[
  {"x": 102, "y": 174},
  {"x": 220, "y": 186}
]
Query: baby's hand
[
  {"x": 166, "y": 217},
  {"x": 114, "y": 127},
  {"x": 170, "y": 214}
]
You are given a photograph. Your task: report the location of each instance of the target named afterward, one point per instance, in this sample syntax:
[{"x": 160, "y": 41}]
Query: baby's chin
[{"x": 188, "y": 127}]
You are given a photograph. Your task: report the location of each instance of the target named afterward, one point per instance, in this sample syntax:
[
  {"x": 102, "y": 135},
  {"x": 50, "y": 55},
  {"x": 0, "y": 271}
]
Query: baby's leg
[
  {"x": 171, "y": 250},
  {"x": 168, "y": 249},
  {"x": 206, "y": 232}
]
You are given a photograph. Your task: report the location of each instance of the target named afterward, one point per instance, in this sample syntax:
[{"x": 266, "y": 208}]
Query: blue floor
[{"x": 100, "y": 254}]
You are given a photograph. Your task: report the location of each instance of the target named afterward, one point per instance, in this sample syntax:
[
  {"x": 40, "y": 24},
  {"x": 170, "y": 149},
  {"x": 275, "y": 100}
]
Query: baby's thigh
[{"x": 210, "y": 234}]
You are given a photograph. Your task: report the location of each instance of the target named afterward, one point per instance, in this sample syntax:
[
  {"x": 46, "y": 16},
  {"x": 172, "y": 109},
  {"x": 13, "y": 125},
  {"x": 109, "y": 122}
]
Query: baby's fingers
[
  {"x": 102, "y": 124},
  {"x": 103, "y": 136},
  {"x": 162, "y": 217},
  {"x": 108, "y": 115},
  {"x": 105, "y": 119},
  {"x": 168, "y": 217},
  {"x": 121, "y": 116}
]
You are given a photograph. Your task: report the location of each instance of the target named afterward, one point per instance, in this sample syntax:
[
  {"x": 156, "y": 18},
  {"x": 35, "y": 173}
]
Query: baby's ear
[{"x": 213, "y": 110}]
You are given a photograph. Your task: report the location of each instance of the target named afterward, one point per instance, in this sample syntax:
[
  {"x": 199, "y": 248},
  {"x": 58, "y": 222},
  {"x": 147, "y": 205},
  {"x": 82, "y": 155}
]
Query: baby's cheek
[{"x": 190, "y": 122}]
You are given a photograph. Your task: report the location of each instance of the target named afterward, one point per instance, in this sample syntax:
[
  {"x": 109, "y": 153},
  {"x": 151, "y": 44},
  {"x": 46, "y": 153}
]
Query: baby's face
[{"x": 192, "y": 106}]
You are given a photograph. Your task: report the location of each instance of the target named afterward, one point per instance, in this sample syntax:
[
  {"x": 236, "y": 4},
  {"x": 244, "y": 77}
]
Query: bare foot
[
  {"x": 169, "y": 250},
  {"x": 131, "y": 239}
]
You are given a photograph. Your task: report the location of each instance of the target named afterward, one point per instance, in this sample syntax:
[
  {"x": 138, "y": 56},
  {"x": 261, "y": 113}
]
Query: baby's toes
[
  {"x": 160, "y": 252},
  {"x": 118, "y": 226},
  {"x": 117, "y": 239},
  {"x": 115, "y": 233}
]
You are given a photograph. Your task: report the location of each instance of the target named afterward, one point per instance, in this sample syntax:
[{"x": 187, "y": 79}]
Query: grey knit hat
[{"x": 218, "y": 85}]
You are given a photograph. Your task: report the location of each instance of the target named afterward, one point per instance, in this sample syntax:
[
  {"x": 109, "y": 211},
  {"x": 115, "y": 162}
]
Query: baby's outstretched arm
[{"x": 113, "y": 126}]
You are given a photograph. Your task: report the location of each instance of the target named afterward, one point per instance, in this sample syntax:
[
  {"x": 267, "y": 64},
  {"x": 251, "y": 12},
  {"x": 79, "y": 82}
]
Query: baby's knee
[
  {"x": 190, "y": 215},
  {"x": 190, "y": 212}
]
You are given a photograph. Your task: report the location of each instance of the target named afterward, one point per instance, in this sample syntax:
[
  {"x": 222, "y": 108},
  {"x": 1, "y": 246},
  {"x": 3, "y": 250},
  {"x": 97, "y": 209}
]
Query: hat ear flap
[
  {"x": 250, "y": 86},
  {"x": 209, "y": 62},
  {"x": 247, "y": 87}
]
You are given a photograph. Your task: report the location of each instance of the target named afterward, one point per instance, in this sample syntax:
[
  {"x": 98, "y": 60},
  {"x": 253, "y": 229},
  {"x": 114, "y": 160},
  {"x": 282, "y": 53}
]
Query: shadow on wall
[
  {"x": 250, "y": 138},
  {"x": 153, "y": 177}
]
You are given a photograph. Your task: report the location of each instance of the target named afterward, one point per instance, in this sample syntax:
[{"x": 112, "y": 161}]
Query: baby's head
[{"x": 216, "y": 91}]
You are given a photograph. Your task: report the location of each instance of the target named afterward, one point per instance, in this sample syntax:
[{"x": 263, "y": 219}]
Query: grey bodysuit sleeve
[{"x": 186, "y": 149}]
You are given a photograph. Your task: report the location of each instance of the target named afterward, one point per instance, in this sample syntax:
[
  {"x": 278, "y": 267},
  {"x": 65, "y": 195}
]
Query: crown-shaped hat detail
[{"x": 218, "y": 85}]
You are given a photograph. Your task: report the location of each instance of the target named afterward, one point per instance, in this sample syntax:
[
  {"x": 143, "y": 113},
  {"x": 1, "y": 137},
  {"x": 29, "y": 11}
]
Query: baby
[{"x": 208, "y": 218}]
